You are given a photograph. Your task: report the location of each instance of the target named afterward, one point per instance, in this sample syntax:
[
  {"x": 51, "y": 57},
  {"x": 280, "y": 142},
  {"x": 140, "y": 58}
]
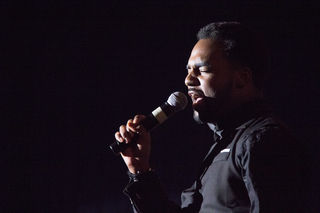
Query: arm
[
  {"x": 147, "y": 194},
  {"x": 144, "y": 189}
]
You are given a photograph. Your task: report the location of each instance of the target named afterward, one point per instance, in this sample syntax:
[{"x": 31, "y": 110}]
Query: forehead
[{"x": 206, "y": 50}]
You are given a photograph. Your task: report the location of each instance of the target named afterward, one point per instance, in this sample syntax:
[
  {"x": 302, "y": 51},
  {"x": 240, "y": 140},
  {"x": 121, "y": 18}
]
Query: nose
[{"x": 191, "y": 79}]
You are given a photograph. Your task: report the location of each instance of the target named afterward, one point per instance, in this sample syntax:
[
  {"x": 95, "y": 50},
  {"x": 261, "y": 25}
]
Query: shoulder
[{"x": 266, "y": 135}]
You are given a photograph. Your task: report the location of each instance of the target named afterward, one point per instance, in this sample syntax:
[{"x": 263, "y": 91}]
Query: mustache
[{"x": 199, "y": 92}]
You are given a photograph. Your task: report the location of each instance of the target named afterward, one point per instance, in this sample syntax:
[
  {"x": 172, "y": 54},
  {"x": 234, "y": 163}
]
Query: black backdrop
[{"x": 72, "y": 72}]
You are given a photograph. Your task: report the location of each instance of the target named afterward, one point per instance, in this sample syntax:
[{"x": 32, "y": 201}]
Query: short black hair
[{"x": 241, "y": 46}]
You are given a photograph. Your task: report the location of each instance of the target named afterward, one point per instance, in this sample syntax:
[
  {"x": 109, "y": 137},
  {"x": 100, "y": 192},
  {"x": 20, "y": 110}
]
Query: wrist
[
  {"x": 139, "y": 169},
  {"x": 139, "y": 175},
  {"x": 136, "y": 171}
]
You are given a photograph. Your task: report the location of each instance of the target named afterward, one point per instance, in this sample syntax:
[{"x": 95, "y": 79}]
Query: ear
[{"x": 243, "y": 77}]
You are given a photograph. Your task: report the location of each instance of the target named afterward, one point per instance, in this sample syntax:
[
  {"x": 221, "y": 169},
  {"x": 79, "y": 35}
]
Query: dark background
[{"x": 72, "y": 72}]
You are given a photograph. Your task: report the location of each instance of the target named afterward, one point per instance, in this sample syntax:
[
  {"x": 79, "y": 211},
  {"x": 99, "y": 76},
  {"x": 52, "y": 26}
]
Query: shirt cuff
[{"x": 141, "y": 175}]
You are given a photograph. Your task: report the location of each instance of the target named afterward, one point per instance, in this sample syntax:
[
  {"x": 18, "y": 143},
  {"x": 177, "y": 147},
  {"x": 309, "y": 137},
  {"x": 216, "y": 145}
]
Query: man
[{"x": 255, "y": 163}]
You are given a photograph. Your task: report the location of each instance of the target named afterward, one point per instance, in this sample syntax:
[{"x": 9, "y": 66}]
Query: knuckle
[
  {"x": 139, "y": 118},
  {"x": 129, "y": 121}
]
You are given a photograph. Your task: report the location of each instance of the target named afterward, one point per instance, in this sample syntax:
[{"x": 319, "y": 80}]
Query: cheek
[{"x": 209, "y": 87}]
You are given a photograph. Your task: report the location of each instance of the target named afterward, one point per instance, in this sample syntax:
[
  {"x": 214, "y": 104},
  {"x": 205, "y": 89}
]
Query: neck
[
  {"x": 246, "y": 111},
  {"x": 247, "y": 96}
]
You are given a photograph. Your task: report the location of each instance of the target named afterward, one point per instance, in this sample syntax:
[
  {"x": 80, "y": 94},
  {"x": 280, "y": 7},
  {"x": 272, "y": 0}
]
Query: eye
[
  {"x": 205, "y": 69},
  {"x": 195, "y": 70}
]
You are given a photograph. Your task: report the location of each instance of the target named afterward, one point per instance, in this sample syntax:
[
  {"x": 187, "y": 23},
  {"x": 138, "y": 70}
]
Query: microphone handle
[{"x": 117, "y": 147}]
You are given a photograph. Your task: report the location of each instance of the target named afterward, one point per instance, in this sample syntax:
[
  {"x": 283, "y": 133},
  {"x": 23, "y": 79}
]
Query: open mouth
[{"x": 196, "y": 95}]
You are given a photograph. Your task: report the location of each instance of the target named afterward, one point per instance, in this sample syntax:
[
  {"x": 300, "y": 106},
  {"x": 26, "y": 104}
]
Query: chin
[
  {"x": 201, "y": 117},
  {"x": 196, "y": 117}
]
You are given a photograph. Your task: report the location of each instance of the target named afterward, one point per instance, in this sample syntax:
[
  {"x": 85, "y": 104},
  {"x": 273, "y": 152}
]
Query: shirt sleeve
[
  {"x": 272, "y": 162},
  {"x": 147, "y": 194}
]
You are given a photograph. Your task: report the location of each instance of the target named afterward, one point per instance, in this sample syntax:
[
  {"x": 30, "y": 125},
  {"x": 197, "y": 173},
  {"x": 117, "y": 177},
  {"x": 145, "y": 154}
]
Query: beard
[
  {"x": 209, "y": 112},
  {"x": 214, "y": 108},
  {"x": 197, "y": 118}
]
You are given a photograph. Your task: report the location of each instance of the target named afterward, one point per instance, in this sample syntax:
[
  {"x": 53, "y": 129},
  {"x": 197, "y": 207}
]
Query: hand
[{"x": 136, "y": 156}]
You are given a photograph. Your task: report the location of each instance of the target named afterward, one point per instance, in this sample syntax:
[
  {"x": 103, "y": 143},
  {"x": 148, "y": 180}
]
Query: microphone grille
[{"x": 178, "y": 101}]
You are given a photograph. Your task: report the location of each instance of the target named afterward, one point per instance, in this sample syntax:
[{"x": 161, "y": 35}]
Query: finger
[
  {"x": 124, "y": 133},
  {"x": 118, "y": 137},
  {"x": 138, "y": 118},
  {"x": 131, "y": 127}
]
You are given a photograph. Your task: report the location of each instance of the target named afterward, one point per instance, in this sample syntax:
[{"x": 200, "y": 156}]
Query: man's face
[{"x": 209, "y": 81}]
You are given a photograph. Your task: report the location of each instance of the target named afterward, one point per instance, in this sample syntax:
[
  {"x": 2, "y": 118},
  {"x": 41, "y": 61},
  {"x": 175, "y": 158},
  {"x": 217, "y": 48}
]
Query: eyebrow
[{"x": 201, "y": 64}]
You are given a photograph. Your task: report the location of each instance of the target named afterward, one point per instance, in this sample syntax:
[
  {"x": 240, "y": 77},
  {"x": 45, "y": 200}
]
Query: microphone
[{"x": 177, "y": 101}]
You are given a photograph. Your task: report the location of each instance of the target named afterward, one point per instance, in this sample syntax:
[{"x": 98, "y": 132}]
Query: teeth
[{"x": 194, "y": 97}]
